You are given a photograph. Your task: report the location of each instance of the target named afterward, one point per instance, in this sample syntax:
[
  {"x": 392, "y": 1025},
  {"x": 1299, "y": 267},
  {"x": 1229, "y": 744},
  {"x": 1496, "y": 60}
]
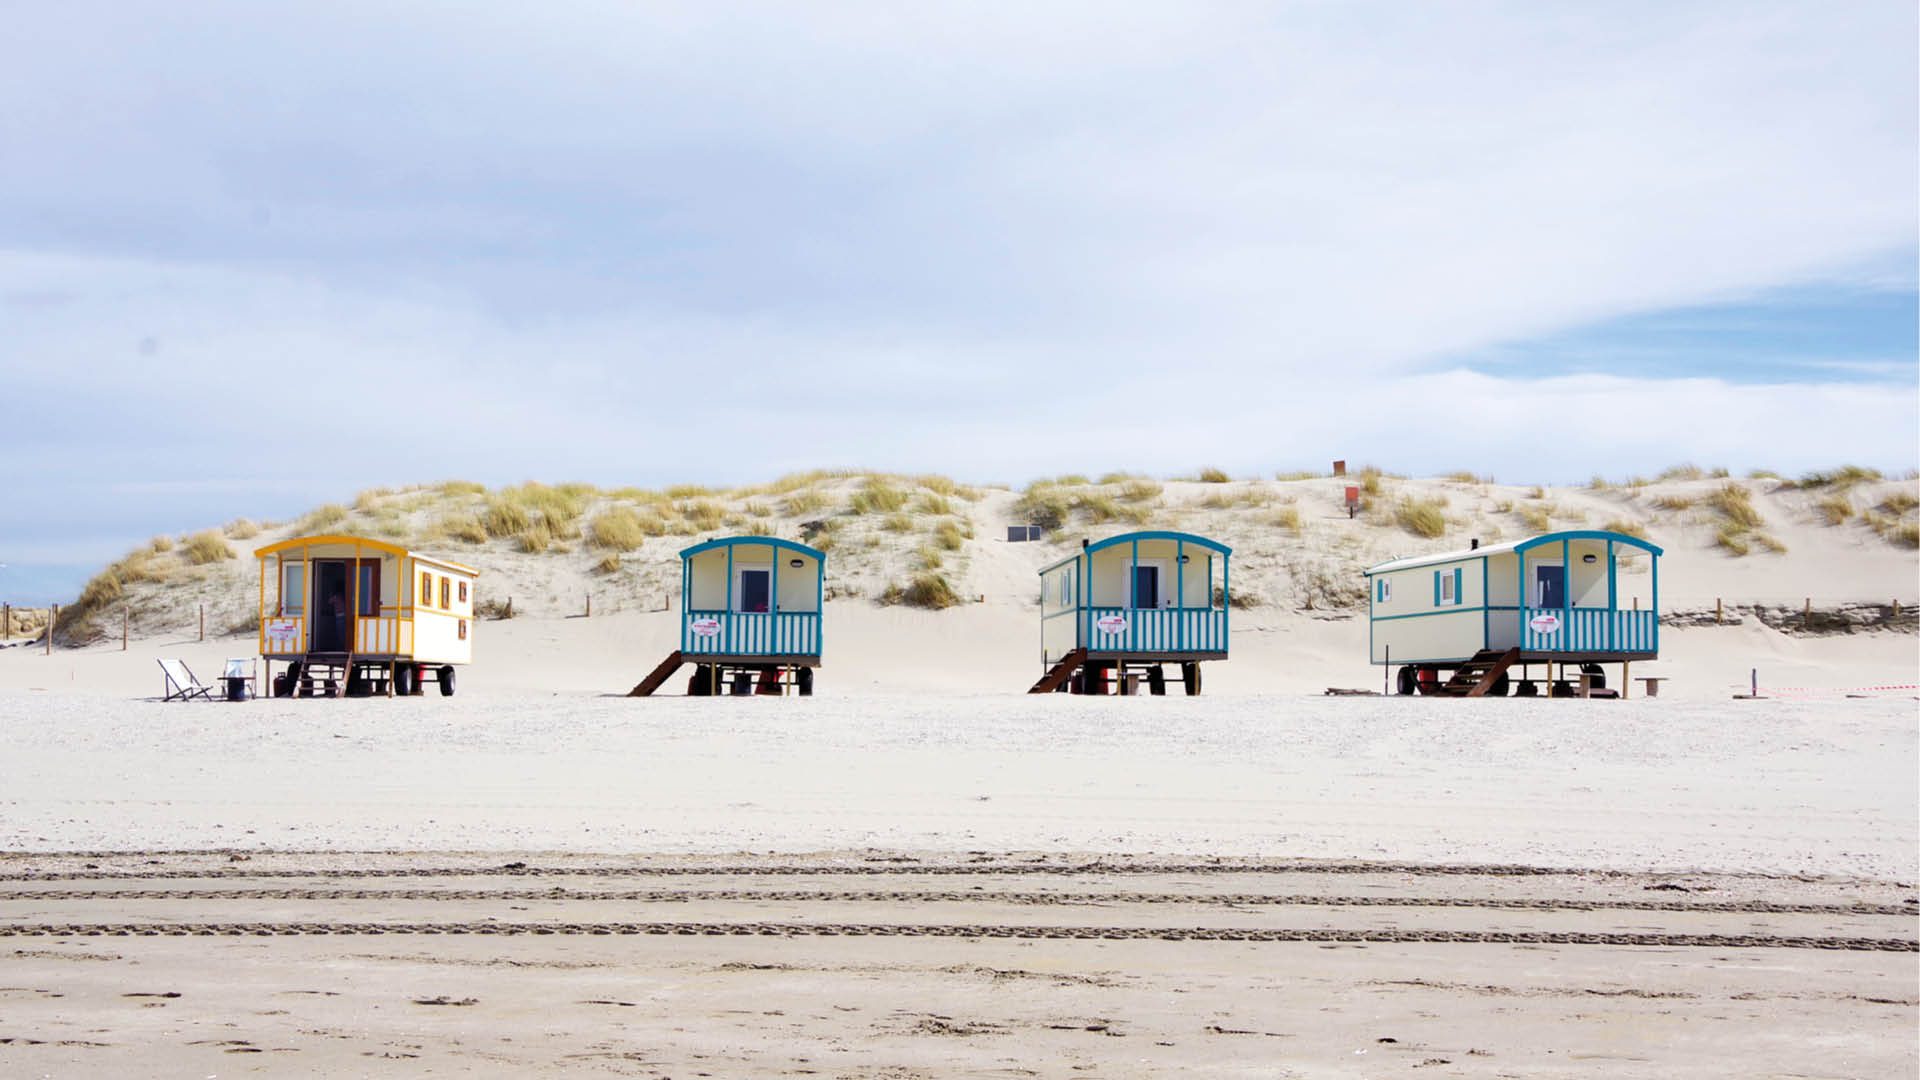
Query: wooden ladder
[
  {"x": 1475, "y": 677},
  {"x": 323, "y": 668},
  {"x": 1059, "y": 673},
  {"x": 658, "y": 676}
]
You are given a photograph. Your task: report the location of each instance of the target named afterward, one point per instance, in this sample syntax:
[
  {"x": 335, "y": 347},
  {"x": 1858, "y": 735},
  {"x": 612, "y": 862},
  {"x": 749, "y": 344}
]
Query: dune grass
[
  {"x": 928, "y": 589},
  {"x": 1843, "y": 477},
  {"x": 206, "y": 547},
  {"x": 503, "y": 518},
  {"x": 462, "y": 527},
  {"x": 617, "y": 529},
  {"x": 608, "y": 564},
  {"x": 897, "y": 523},
  {"x": 1292, "y": 475},
  {"x": 1735, "y": 506},
  {"x": 1899, "y": 503},
  {"x": 1421, "y": 517},
  {"x": 1138, "y": 490},
  {"x": 949, "y": 536},
  {"x": 1211, "y": 475},
  {"x": 1288, "y": 518},
  {"x": 160, "y": 544},
  {"x": 1674, "y": 502},
  {"x": 1537, "y": 516},
  {"x": 933, "y": 504},
  {"x": 877, "y": 495},
  {"x": 1626, "y": 528},
  {"x": 457, "y": 488},
  {"x": 702, "y": 515},
  {"x": 242, "y": 529},
  {"x": 321, "y": 519},
  {"x": 535, "y": 538},
  {"x": 930, "y": 557},
  {"x": 1835, "y": 509},
  {"x": 805, "y": 501}
]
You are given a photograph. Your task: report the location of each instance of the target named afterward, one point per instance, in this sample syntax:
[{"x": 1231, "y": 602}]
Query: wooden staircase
[
  {"x": 659, "y": 676},
  {"x": 328, "y": 672},
  {"x": 1059, "y": 673},
  {"x": 1475, "y": 677}
]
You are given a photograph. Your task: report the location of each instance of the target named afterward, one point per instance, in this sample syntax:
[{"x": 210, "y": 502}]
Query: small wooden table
[{"x": 1651, "y": 682}]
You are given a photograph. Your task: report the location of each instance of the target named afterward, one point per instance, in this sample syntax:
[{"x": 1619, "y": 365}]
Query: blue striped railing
[
  {"x": 747, "y": 633},
  {"x": 1590, "y": 630},
  {"x": 1158, "y": 630}
]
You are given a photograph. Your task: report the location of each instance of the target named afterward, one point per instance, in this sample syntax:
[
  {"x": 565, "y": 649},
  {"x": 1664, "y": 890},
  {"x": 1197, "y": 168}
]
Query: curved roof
[
  {"x": 768, "y": 541},
  {"x": 1150, "y": 534},
  {"x": 1522, "y": 545},
  {"x": 295, "y": 542}
]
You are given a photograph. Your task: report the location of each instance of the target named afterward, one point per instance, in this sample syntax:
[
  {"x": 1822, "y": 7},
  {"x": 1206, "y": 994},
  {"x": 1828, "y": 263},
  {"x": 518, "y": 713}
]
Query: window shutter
[
  {"x": 1456, "y": 586},
  {"x": 1436, "y": 588}
]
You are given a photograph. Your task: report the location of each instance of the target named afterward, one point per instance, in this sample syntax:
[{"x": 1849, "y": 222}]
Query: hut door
[
  {"x": 332, "y": 597},
  {"x": 1146, "y": 586},
  {"x": 755, "y": 591},
  {"x": 1550, "y": 586}
]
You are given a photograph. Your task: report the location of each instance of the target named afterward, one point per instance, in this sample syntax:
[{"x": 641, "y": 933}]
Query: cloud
[{"x": 314, "y": 247}]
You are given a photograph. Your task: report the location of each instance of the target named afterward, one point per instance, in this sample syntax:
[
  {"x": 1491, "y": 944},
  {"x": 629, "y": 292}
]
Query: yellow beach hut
[{"x": 354, "y": 615}]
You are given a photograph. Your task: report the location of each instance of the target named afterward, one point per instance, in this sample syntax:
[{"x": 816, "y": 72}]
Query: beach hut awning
[
  {"x": 1127, "y": 538},
  {"x": 298, "y": 542},
  {"x": 1512, "y": 546}
]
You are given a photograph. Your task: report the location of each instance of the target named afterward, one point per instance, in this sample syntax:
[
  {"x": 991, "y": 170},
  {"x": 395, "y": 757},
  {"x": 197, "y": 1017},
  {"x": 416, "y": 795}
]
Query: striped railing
[
  {"x": 1582, "y": 630},
  {"x": 1157, "y": 630},
  {"x": 750, "y": 633}
]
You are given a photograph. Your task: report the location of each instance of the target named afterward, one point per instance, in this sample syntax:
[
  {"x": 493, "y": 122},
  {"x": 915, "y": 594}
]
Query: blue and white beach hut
[
  {"x": 1130, "y": 603},
  {"x": 1456, "y": 622},
  {"x": 750, "y": 617}
]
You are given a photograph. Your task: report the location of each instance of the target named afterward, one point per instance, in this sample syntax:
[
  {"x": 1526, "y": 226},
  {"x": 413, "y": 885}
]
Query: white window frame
[
  {"x": 293, "y": 579},
  {"x": 1385, "y": 590},
  {"x": 740, "y": 570},
  {"x": 1448, "y": 598}
]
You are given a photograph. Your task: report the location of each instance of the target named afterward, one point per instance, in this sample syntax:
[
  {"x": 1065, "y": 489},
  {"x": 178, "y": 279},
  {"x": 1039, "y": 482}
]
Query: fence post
[
  {"x": 203, "y": 622},
  {"x": 1806, "y": 613},
  {"x": 6, "y": 620},
  {"x": 509, "y": 607},
  {"x": 589, "y": 605},
  {"x": 1718, "y": 614},
  {"x": 124, "y": 620},
  {"x": 53, "y": 616}
]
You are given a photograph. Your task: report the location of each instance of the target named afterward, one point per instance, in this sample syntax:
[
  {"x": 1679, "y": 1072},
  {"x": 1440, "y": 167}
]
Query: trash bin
[{"x": 236, "y": 687}]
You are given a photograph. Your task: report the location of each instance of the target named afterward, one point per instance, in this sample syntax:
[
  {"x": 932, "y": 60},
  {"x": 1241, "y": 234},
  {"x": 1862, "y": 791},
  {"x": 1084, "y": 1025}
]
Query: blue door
[
  {"x": 756, "y": 587},
  {"x": 1549, "y": 586},
  {"x": 1146, "y": 586}
]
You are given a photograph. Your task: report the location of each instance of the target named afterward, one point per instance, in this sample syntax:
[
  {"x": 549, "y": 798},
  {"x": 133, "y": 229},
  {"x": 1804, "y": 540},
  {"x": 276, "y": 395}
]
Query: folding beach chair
[{"x": 181, "y": 685}]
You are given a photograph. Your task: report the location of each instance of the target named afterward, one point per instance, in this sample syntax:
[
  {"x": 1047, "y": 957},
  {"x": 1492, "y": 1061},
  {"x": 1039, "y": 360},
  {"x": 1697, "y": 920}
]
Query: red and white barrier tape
[{"x": 1808, "y": 691}]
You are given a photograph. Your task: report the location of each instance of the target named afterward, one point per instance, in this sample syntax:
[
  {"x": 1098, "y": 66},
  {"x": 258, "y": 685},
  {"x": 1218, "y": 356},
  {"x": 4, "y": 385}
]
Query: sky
[{"x": 258, "y": 257}]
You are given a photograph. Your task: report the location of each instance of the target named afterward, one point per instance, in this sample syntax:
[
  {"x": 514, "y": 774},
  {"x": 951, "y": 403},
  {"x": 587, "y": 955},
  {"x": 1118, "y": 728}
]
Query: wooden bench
[{"x": 1651, "y": 683}]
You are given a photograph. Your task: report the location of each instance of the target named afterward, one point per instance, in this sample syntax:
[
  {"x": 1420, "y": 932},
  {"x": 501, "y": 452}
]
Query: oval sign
[
  {"x": 1544, "y": 623},
  {"x": 705, "y": 627},
  {"x": 1112, "y": 624}
]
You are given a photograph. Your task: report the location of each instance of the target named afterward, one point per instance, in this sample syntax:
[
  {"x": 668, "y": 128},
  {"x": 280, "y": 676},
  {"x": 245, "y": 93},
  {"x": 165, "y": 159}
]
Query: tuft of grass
[
  {"x": 160, "y": 545},
  {"x": 805, "y": 501},
  {"x": 703, "y": 515},
  {"x": 1043, "y": 505},
  {"x": 948, "y": 536},
  {"x": 1538, "y": 517},
  {"x": 1626, "y": 528},
  {"x": 758, "y": 509},
  {"x": 1297, "y": 474},
  {"x": 928, "y": 589},
  {"x": 1735, "y": 506},
  {"x": 242, "y": 529},
  {"x": 1466, "y": 476},
  {"x": 369, "y": 500},
  {"x": 504, "y": 517},
  {"x": 1421, "y": 517},
  {"x": 943, "y": 485},
  {"x": 1906, "y": 534},
  {"x": 1763, "y": 474},
  {"x": 1139, "y": 490},
  {"x": 930, "y": 558},
  {"x": 456, "y": 488},
  {"x": 1288, "y": 518},
  {"x": 1770, "y": 542},
  {"x": 618, "y": 529},
  {"x": 1835, "y": 509},
  {"x": 1845, "y": 476},
  {"x": 690, "y": 491},
  {"x": 1599, "y": 483},
  {"x": 1673, "y": 502},
  {"x": 321, "y": 519},
  {"x": 206, "y": 547},
  {"x": 877, "y": 496},
  {"x": 897, "y": 523},
  {"x": 933, "y": 504},
  {"x": 1369, "y": 477},
  {"x": 1211, "y": 475},
  {"x": 462, "y": 527},
  {"x": 1732, "y": 539},
  {"x": 608, "y": 564},
  {"x": 1683, "y": 471},
  {"x": 535, "y": 538},
  {"x": 388, "y": 525},
  {"x": 1899, "y": 503}
]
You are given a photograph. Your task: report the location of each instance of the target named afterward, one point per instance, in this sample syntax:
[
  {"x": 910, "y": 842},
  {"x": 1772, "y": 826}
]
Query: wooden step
[
  {"x": 1059, "y": 673},
  {"x": 1475, "y": 677},
  {"x": 659, "y": 675}
]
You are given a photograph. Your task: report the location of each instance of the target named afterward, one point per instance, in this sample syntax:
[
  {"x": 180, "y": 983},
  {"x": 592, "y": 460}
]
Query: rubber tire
[
  {"x": 446, "y": 680},
  {"x": 1157, "y": 681},
  {"x": 700, "y": 683},
  {"x": 357, "y": 684},
  {"x": 1407, "y": 683},
  {"x": 1599, "y": 674},
  {"x": 1529, "y": 688},
  {"x": 803, "y": 682},
  {"x": 1500, "y": 686},
  {"x": 403, "y": 680}
]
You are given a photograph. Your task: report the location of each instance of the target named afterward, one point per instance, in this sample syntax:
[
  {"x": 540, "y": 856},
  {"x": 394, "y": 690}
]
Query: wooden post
[
  {"x": 1626, "y": 677},
  {"x": 1896, "y": 607},
  {"x": 509, "y": 612},
  {"x": 6, "y": 619},
  {"x": 1718, "y": 614},
  {"x": 124, "y": 620},
  {"x": 53, "y": 616},
  {"x": 203, "y": 622},
  {"x": 1755, "y": 676},
  {"x": 589, "y": 605},
  {"x": 1806, "y": 613}
]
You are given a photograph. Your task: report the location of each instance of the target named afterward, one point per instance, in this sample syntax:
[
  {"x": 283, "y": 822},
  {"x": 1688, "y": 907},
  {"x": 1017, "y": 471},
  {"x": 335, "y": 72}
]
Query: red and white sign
[
  {"x": 1112, "y": 624},
  {"x": 705, "y": 627},
  {"x": 1544, "y": 623},
  {"x": 282, "y": 634}
]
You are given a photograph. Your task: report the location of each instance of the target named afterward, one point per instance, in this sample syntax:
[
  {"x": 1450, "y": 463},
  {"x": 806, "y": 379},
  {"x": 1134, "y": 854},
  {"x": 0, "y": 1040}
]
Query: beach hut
[
  {"x": 1121, "y": 608},
  {"x": 362, "y": 616},
  {"x": 749, "y": 619},
  {"x": 1456, "y": 623}
]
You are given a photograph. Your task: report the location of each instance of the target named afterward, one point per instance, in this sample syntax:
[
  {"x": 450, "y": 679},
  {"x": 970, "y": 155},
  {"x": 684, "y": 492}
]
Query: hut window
[
  {"x": 1382, "y": 590},
  {"x": 446, "y": 594},
  {"x": 426, "y": 589},
  {"x": 463, "y": 629},
  {"x": 293, "y": 588},
  {"x": 463, "y": 592}
]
